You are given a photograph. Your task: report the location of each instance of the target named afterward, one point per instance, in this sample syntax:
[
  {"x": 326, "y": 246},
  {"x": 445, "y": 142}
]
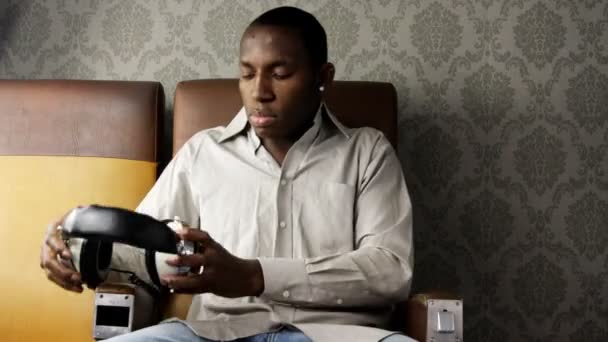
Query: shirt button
[
  {"x": 339, "y": 301},
  {"x": 283, "y": 182},
  {"x": 282, "y": 224},
  {"x": 285, "y": 294}
]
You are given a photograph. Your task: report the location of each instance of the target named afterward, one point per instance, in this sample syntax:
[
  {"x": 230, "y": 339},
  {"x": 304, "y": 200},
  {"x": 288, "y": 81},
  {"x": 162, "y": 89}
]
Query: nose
[{"x": 262, "y": 89}]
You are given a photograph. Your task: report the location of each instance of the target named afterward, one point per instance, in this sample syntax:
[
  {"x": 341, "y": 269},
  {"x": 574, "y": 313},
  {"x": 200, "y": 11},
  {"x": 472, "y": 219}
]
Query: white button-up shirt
[{"x": 331, "y": 227}]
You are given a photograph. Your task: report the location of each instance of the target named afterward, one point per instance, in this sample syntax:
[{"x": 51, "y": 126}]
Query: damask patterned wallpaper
[{"x": 503, "y": 127}]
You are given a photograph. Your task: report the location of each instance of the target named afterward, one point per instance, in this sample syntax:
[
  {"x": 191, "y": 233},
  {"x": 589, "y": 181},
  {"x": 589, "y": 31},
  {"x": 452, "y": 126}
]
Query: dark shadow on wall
[
  {"x": 10, "y": 14},
  {"x": 434, "y": 160},
  {"x": 8, "y": 19},
  {"x": 420, "y": 149}
]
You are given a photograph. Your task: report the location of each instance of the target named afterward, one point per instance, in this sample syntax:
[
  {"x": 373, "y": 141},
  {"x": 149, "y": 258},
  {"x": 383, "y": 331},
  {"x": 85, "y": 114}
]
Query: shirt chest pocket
[{"x": 323, "y": 218}]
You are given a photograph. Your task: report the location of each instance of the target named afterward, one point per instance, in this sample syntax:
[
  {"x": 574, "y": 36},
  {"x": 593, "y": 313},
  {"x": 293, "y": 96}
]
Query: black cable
[{"x": 135, "y": 280}]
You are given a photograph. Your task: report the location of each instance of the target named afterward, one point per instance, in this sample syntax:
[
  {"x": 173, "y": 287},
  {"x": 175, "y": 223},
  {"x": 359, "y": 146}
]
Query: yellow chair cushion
[{"x": 36, "y": 190}]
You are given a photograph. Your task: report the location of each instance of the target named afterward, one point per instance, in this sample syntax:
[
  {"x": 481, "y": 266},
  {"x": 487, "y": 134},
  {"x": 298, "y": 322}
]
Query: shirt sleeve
[
  {"x": 379, "y": 271},
  {"x": 170, "y": 197}
]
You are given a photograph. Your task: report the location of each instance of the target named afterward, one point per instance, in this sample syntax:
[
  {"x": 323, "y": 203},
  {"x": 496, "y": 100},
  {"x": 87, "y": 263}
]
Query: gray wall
[{"x": 503, "y": 127}]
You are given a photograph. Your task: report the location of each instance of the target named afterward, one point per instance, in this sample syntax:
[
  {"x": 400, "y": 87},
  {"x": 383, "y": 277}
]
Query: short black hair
[{"x": 310, "y": 30}]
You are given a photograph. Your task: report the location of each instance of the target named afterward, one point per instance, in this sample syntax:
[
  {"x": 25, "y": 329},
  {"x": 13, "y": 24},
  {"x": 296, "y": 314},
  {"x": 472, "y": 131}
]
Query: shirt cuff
[{"x": 284, "y": 279}]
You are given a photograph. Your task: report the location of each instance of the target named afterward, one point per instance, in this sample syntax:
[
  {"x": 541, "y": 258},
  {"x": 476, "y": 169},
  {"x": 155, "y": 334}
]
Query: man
[{"x": 305, "y": 225}]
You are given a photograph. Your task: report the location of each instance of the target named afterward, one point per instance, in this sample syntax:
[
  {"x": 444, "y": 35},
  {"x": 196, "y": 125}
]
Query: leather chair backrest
[
  {"x": 62, "y": 144},
  {"x": 201, "y": 104}
]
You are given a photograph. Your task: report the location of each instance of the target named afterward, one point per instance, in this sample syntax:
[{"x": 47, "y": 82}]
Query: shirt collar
[
  {"x": 240, "y": 123},
  {"x": 236, "y": 126},
  {"x": 343, "y": 129}
]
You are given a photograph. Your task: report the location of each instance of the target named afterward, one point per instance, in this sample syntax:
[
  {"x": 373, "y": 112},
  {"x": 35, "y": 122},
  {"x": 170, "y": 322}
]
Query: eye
[
  {"x": 279, "y": 76},
  {"x": 247, "y": 76}
]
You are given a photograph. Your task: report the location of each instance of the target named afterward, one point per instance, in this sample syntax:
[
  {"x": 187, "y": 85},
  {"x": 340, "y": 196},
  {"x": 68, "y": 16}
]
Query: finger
[
  {"x": 194, "y": 260},
  {"x": 66, "y": 263},
  {"x": 195, "y": 235},
  {"x": 75, "y": 287},
  {"x": 64, "y": 277},
  {"x": 59, "y": 269},
  {"x": 193, "y": 283},
  {"x": 52, "y": 227},
  {"x": 58, "y": 246},
  {"x": 53, "y": 239}
]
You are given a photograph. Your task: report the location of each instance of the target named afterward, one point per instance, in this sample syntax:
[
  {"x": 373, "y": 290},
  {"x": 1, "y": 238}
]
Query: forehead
[{"x": 271, "y": 42}]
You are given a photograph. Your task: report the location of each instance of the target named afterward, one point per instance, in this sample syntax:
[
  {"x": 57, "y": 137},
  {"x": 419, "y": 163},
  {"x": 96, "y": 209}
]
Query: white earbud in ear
[{"x": 322, "y": 88}]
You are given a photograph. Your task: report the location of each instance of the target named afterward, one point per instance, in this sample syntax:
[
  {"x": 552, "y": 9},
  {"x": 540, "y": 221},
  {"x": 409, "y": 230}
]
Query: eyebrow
[{"x": 277, "y": 64}]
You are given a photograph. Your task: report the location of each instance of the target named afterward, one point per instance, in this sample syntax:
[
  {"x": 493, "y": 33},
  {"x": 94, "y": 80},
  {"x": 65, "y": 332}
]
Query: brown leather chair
[
  {"x": 201, "y": 104},
  {"x": 62, "y": 144}
]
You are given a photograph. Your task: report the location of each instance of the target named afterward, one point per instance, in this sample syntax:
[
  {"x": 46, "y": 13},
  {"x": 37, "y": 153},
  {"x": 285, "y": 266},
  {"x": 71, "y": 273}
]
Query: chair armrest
[
  {"x": 176, "y": 305},
  {"x": 411, "y": 316}
]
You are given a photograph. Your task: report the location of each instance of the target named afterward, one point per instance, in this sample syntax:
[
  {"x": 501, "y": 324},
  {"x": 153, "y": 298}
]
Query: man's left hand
[{"x": 223, "y": 274}]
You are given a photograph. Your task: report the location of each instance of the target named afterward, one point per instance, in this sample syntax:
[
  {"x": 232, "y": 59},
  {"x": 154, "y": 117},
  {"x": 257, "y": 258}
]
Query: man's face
[{"x": 277, "y": 83}]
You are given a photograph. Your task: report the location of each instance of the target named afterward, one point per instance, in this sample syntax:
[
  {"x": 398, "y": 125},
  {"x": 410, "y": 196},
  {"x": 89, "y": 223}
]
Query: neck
[
  {"x": 279, "y": 146},
  {"x": 277, "y": 149}
]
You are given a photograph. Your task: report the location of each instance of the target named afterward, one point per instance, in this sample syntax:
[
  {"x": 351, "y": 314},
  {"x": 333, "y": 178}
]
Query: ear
[{"x": 326, "y": 75}]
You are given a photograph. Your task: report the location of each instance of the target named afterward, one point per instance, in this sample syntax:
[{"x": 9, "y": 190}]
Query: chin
[{"x": 265, "y": 132}]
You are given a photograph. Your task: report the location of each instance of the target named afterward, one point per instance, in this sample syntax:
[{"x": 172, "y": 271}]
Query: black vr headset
[{"x": 90, "y": 232}]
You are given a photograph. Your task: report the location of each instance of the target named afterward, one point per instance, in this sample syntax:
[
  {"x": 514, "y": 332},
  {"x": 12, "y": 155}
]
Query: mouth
[{"x": 261, "y": 119}]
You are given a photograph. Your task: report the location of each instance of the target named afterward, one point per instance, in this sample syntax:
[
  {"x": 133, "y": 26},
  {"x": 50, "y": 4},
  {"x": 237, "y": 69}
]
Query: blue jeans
[{"x": 179, "y": 332}]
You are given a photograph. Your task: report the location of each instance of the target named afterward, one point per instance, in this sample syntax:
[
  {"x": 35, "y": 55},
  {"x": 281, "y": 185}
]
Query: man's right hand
[{"x": 58, "y": 271}]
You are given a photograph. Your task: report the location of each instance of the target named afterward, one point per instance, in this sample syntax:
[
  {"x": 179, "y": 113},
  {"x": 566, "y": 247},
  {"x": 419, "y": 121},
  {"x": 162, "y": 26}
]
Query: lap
[
  {"x": 179, "y": 332},
  {"x": 166, "y": 332},
  {"x": 283, "y": 335}
]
